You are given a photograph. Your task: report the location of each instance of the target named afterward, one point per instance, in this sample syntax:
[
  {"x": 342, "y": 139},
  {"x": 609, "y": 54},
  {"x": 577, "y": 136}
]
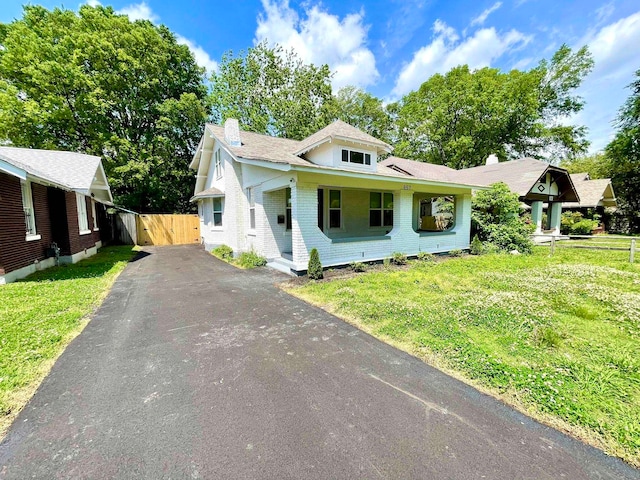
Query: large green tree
[
  {"x": 95, "y": 82},
  {"x": 364, "y": 111},
  {"x": 624, "y": 152},
  {"x": 460, "y": 118},
  {"x": 597, "y": 165},
  {"x": 271, "y": 91}
]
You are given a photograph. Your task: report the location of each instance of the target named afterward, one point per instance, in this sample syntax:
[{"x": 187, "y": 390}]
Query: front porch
[{"x": 347, "y": 222}]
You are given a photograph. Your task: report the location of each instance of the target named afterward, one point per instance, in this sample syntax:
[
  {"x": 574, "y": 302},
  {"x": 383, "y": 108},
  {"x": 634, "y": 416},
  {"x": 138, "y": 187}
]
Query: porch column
[
  {"x": 304, "y": 223},
  {"x": 463, "y": 221},
  {"x": 555, "y": 211},
  {"x": 403, "y": 236},
  {"x": 536, "y": 215}
]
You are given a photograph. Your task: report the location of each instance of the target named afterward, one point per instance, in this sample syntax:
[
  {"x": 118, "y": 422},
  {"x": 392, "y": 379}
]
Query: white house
[{"x": 283, "y": 197}]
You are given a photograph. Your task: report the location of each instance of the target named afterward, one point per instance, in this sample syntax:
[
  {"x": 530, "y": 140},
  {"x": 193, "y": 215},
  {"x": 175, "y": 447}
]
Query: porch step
[{"x": 282, "y": 265}]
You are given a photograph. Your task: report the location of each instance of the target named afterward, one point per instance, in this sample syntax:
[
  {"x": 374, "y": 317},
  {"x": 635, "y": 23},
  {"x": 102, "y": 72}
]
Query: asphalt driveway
[{"x": 194, "y": 369}]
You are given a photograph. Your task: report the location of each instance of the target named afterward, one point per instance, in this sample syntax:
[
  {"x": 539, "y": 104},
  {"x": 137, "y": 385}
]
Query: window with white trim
[
  {"x": 252, "y": 209},
  {"x": 217, "y": 211},
  {"x": 83, "y": 222},
  {"x": 94, "y": 215},
  {"x": 380, "y": 209},
  {"x": 335, "y": 209},
  {"x": 27, "y": 207},
  {"x": 352, "y": 156},
  {"x": 217, "y": 161}
]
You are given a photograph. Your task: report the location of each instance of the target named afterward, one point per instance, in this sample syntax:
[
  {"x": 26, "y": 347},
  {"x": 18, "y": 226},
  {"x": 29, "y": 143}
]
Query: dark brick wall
[
  {"x": 79, "y": 242},
  {"x": 15, "y": 251}
]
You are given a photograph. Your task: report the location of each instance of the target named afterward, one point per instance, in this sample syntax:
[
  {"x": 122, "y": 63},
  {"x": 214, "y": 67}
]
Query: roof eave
[{"x": 379, "y": 176}]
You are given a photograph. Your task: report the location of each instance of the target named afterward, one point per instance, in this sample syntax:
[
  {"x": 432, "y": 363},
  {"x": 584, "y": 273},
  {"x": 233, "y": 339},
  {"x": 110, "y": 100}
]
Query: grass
[
  {"x": 41, "y": 314},
  {"x": 557, "y": 337}
]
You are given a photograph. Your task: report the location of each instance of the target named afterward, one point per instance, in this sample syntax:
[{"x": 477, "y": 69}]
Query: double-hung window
[
  {"x": 94, "y": 215},
  {"x": 83, "y": 222},
  {"x": 360, "y": 158},
  {"x": 27, "y": 207},
  {"x": 252, "y": 209},
  {"x": 288, "y": 208},
  {"x": 380, "y": 209},
  {"x": 335, "y": 209},
  {"x": 217, "y": 212}
]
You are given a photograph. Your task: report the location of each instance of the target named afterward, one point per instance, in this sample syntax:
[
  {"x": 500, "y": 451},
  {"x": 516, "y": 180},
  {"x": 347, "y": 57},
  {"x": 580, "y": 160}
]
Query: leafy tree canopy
[
  {"x": 460, "y": 118},
  {"x": 364, "y": 111},
  {"x": 271, "y": 91},
  {"x": 624, "y": 152},
  {"x": 95, "y": 82},
  {"x": 597, "y": 165}
]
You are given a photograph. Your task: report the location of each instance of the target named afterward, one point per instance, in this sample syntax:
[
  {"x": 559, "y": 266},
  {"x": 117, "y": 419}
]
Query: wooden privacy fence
[{"x": 154, "y": 229}]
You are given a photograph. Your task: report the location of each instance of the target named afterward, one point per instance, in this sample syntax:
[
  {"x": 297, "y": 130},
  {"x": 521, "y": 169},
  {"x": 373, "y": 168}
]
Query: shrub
[
  {"x": 386, "y": 262},
  {"x": 496, "y": 219},
  {"x": 398, "y": 258},
  {"x": 568, "y": 220},
  {"x": 426, "y": 257},
  {"x": 251, "y": 260},
  {"x": 224, "y": 252},
  {"x": 314, "y": 269},
  {"x": 583, "y": 227},
  {"x": 358, "y": 267},
  {"x": 476, "y": 246},
  {"x": 455, "y": 253}
]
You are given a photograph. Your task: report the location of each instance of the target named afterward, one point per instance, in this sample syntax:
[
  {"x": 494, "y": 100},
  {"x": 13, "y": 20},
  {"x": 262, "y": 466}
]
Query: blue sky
[{"x": 391, "y": 47}]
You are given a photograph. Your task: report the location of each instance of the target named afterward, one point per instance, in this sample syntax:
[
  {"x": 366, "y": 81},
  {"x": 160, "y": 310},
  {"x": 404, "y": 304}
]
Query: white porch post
[
  {"x": 536, "y": 215},
  {"x": 304, "y": 221},
  {"x": 403, "y": 236},
  {"x": 555, "y": 212}
]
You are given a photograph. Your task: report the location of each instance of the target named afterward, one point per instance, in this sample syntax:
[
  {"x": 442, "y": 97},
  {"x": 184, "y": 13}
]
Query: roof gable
[
  {"x": 342, "y": 131},
  {"x": 74, "y": 171}
]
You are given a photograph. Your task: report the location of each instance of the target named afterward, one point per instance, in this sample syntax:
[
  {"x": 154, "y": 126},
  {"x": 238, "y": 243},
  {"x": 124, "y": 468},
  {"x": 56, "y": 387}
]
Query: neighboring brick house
[
  {"x": 49, "y": 197},
  {"x": 283, "y": 197}
]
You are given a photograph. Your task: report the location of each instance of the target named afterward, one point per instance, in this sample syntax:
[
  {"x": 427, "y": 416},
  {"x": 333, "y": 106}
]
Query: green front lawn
[
  {"x": 558, "y": 337},
  {"x": 41, "y": 314}
]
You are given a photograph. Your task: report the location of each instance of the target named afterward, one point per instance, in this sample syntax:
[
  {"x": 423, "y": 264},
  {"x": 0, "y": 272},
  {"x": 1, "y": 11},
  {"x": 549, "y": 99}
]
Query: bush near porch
[
  {"x": 557, "y": 337},
  {"x": 41, "y": 314}
]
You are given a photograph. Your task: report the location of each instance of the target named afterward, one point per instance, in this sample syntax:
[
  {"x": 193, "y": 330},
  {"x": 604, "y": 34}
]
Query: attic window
[{"x": 351, "y": 156}]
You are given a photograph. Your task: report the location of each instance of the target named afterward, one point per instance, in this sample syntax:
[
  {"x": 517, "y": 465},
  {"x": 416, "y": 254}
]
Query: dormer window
[{"x": 351, "y": 156}]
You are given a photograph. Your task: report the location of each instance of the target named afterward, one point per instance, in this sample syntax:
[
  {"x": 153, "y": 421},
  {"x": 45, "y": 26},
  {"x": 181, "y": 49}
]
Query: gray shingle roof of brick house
[{"x": 71, "y": 170}]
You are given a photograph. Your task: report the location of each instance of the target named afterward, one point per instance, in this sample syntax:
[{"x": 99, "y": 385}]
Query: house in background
[
  {"x": 49, "y": 197},
  {"x": 539, "y": 185},
  {"x": 329, "y": 191},
  {"x": 594, "y": 195}
]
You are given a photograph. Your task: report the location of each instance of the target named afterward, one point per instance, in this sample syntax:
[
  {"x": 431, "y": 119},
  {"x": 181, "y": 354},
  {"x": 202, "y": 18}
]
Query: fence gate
[{"x": 168, "y": 229}]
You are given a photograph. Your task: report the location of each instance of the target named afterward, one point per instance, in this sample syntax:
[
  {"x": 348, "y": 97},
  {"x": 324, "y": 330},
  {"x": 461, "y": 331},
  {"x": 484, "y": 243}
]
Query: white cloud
[
  {"x": 480, "y": 19},
  {"x": 319, "y": 37},
  {"x": 138, "y": 11},
  {"x": 202, "y": 57},
  {"x": 447, "y": 51},
  {"x": 93, "y": 3},
  {"x": 614, "y": 49}
]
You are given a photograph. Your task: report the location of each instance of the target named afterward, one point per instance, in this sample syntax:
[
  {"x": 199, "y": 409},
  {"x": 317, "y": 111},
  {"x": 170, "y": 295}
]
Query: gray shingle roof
[
  {"x": 592, "y": 193},
  {"x": 209, "y": 192},
  {"x": 75, "y": 171},
  {"x": 424, "y": 170},
  {"x": 261, "y": 147},
  {"x": 520, "y": 175},
  {"x": 339, "y": 129}
]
